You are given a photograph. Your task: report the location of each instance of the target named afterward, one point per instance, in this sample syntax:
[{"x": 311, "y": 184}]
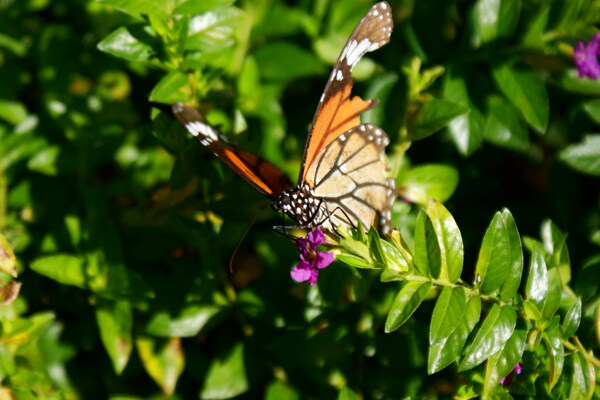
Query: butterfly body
[{"x": 343, "y": 178}]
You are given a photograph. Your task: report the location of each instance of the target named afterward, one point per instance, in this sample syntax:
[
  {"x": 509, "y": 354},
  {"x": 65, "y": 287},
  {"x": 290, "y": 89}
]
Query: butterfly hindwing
[
  {"x": 350, "y": 177},
  {"x": 262, "y": 175},
  {"x": 337, "y": 112}
]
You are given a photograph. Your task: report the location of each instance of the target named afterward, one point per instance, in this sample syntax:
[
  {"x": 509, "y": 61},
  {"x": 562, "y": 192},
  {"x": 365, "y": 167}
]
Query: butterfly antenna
[{"x": 237, "y": 247}]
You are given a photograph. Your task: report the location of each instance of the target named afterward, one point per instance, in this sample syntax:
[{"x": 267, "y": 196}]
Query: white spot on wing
[
  {"x": 339, "y": 75},
  {"x": 356, "y": 52}
]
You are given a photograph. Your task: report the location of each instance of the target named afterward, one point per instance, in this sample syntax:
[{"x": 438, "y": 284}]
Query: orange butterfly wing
[
  {"x": 262, "y": 175},
  {"x": 337, "y": 112}
]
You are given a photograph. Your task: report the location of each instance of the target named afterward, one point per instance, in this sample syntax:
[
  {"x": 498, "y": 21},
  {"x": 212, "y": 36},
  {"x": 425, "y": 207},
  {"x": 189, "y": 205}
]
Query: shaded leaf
[
  {"x": 556, "y": 353},
  {"x": 64, "y": 268},
  {"x": 527, "y": 93},
  {"x": 503, "y": 362},
  {"x": 572, "y": 319},
  {"x": 191, "y": 320},
  {"x": 285, "y": 61},
  {"x": 115, "y": 320},
  {"x": 432, "y": 116},
  {"x": 583, "y": 156},
  {"x": 139, "y": 8},
  {"x": 504, "y": 126},
  {"x": 421, "y": 183},
  {"x": 131, "y": 43}
]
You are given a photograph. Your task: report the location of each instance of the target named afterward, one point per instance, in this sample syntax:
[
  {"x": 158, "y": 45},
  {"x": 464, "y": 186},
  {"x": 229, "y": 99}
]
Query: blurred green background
[{"x": 124, "y": 227}]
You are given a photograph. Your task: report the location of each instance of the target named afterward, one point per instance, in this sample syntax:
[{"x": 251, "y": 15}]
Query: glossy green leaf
[
  {"x": 347, "y": 394},
  {"x": 504, "y": 126},
  {"x": 503, "y": 362},
  {"x": 421, "y": 183},
  {"x": 432, "y": 116},
  {"x": 193, "y": 7},
  {"x": 227, "y": 376},
  {"x": 449, "y": 241},
  {"x": 526, "y": 92},
  {"x": 407, "y": 301},
  {"x": 536, "y": 287},
  {"x": 467, "y": 130},
  {"x": 163, "y": 359},
  {"x": 583, "y": 156},
  {"x": 115, "y": 320},
  {"x": 376, "y": 248},
  {"x": 500, "y": 256},
  {"x": 139, "y": 8},
  {"x": 285, "y": 61},
  {"x": 8, "y": 261},
  {"x": 354, "y": 261},
  {"x": 172, "y": 88},
  {"x": 188, "y": 323},
  {"x": 63, "y": 268},
  {"x": 556, "y": 353},
  {"x": 457, "y": 325},
  {"x": 572, "y": 319},
  {"x": 427, "y": 250},
  {"x": 131, "y": 43},
  {"x": 553, "y": 296},
  {"x": 214, "y": 30},
  {"x": 592, "y": 108},
  {"x": 493, "y": 333},
  {"x": 515, "y": 269},
  {"x": 494, "y": 19},
  {"x": 582, "y": 378},
  {"x": 395, "y": 266}
]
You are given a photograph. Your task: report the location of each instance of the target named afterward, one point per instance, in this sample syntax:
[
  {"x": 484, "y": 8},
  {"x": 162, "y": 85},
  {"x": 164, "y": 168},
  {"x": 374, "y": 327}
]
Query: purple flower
[
  {"x": 508, "y": 378},
  {"x": 311, "y": 260},
  {"x": 586, "y": 58}
]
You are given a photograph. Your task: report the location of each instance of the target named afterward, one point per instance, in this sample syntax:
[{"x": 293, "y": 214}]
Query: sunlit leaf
[
  {"x": 227, "y": 376},
  {"x": 407, "y": 301},
  {"x": 449, "y": 241},
  {"x": 163, "y": 359},
  {"x": 583, "y": 156}
]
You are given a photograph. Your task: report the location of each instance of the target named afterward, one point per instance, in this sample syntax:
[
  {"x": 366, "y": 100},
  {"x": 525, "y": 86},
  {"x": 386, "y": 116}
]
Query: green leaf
[
  {"x": 407, "y": 301},
  {"x": 427, "y": 250},
  {"x": 163, "y": 359},
  {"x": 192, "y": 319},
  {"x": 12, "y": 111},
  {"x": 214, "y": 30},
  {"x": 556, "y": 353},
  {"x": 494, "y": 19},
  {"x": 570, "y": 81},
  {"x": 115, "y": 320},
  {"x": 467, "y": 130},
  {"x": 500, "y": 254},
  {"x": 493, "y": 333},
  {"x": 536, "y": 287},
  {"x": 572, "y": 319},
  {"x": 582, "y": 378},
  {"x": 284, "y": 61},
  {"x": 139, "y": 8},
  {"x": 583, "y": 156},
  {"x": 433, "y": 115},
  {"x": 421, "y": 183},
  {"x": 64, "y": 268},
  {"x": 504, "y": 126},
  {"x": 383, "y": 89},
  {"x": 193, "y": 7},
  {"x": 375, "y": 247},
  {"x": 527, "y": 93},
  {"x": 515, "y": 269},
  {"x": 451, "y": 324},
  {"x": 347, "y": 394},
  {"x": 8, "y": 261},
  {"x": 51, "y": 161},
  {"x": 281, "y": 390},
  {"x": 26, "y": 331},
  {"x": 226, "y": 376},
  {"x": 395, "y": 266},
  {"x": 592, "y": 108},
  {"x": 172, "y": 88},
  {"x": 503, "y": 362},
  {"x": 553, "y": 296},
  {"x": 132, "y": 42},
  {"x": 449, "y": 241}
]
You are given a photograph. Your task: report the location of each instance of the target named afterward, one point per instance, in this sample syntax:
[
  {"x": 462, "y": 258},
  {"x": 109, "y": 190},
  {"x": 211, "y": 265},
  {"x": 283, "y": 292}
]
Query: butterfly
[{"x": 343, "y": 177}]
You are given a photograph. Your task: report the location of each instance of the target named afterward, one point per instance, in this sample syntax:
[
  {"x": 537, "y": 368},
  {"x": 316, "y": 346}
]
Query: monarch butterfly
[{"x": 343, "y": 177}]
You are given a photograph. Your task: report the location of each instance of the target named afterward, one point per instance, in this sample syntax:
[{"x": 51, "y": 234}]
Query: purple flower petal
[
  {"x": 316, "y": 238},
  {"x": 302, "y": 245},
  {"x": 314, "y": 274},
  {"x": 300, "y": 273},
  {"x": 323, "y": 259},
  {"x": 586, "y": 58},
  {"x": 518, "y": 368}
]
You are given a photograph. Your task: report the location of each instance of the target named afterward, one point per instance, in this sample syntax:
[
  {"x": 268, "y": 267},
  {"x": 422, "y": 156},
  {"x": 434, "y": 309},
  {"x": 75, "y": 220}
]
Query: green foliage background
[{"x": 123, "y": 226}]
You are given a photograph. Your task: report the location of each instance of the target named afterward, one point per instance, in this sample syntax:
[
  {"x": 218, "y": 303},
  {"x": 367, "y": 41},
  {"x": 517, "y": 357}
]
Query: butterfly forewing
[
  {"x": 264, "y": 176},
  {"x": 337, "y": 112}
]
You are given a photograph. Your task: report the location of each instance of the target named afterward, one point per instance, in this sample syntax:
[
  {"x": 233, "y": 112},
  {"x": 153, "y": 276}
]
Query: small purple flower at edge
[
  {"x": 586, "y": 58},
  {"x": 508, "y": 378},
  {"x": 311, "y": 260}
]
